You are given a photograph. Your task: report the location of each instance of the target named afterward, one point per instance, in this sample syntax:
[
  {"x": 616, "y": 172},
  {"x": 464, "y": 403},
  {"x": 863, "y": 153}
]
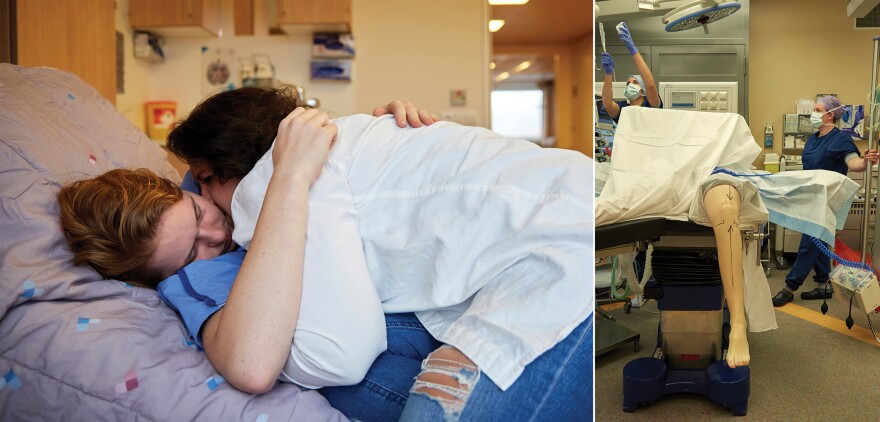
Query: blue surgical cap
[
  {"x": 831, "y": 102},
  {"x": 638, "y": 78}
]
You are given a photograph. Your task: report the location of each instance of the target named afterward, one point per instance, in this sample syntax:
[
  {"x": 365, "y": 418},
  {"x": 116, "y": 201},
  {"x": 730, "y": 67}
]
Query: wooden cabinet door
[
  {"x": 314, "y": 11},
  {"x": 165, "y": 12},
  {"x": 76, "y": 36},
  {"x": 148, "y": 14}
]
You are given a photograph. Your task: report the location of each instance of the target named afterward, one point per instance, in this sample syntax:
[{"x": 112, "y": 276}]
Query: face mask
[
  {"x": 816, "y": 119},
  {"x": 632, "y": 92}
]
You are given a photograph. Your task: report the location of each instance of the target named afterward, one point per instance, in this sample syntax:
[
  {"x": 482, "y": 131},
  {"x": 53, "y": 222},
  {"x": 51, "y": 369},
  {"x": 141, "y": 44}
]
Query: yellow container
[
  {"x": 160, "y": 116},
  {"x": 771, "y": 162}
]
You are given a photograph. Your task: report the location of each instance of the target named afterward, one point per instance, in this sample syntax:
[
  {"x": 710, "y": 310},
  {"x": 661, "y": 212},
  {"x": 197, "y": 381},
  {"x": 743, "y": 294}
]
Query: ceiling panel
[
  {"x": 540, "y": 69},
  {"x": 544, "y": 22}
]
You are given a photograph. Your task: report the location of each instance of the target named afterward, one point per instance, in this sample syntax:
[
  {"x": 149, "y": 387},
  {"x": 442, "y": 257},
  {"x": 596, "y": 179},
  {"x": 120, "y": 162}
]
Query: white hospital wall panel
[{"x": 420, "y": 50}]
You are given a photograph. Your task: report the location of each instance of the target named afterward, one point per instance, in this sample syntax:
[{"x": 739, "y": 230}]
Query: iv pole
[
  {"x": 868, "y": 201},
  {"x": 868, "y": 170}
]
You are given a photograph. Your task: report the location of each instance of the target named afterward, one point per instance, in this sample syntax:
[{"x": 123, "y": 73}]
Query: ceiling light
[
  {"x": 522, "y": 66},
  {"x": 495, "y": 25},
  {"x": 507, "y": 2},
  {"x": 502, "y": 76}
]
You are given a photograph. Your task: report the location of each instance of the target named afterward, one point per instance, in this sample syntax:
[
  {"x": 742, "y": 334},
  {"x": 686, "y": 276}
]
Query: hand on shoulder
[{"x": 406, "y": 113}]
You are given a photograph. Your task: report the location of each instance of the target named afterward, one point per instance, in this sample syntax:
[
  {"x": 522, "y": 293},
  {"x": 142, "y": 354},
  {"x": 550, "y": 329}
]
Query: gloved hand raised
[
  {"x": 607, "y": 63},
  {"x": 623, "y": 33}
]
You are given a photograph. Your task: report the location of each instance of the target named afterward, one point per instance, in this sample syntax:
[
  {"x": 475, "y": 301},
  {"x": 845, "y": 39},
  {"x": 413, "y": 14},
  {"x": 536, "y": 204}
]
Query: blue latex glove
[
  {"x": 623, "y": 33},
  {"x": 607, "y": 63}
]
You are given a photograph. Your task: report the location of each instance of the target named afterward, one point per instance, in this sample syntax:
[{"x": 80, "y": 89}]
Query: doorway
[
  {"x": 523, "y": 97},
  {"x": 541, "y": 56}
]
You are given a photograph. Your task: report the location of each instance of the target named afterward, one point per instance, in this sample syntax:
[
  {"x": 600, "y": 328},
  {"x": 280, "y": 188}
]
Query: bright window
[{"x": 519, "y": 114}]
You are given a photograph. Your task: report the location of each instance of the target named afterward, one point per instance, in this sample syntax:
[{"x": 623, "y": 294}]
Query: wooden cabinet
[
  {"x": 244, "y": 17},
  {"x": 313, "y": 15},
  {"x": 176, "y": 18},
  {"x": 79, "y": 37}
]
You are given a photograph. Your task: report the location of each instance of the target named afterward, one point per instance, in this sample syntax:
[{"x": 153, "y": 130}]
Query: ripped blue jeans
[
  {"x": 557, "y": 386},
  {"x": 382, "y": 394}
]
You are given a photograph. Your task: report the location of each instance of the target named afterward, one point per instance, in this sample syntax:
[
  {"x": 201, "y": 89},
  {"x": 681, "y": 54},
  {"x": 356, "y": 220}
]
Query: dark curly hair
[{"x": 231, "y": 130}]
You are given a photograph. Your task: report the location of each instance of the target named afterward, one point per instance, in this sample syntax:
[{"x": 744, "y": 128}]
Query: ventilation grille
[{"x": 871, "y": 20}]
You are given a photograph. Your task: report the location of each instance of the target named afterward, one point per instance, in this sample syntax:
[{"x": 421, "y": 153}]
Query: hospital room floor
[{"x": 811, "y": 368}]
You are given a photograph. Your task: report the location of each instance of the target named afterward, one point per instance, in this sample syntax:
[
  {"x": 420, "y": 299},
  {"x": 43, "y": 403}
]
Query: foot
[
  {"x": 738, "y": 348},
  {"x": 817, "y": 294},
  {"x": 638, "y": 301},
  {"x": 783, "y": 297}
]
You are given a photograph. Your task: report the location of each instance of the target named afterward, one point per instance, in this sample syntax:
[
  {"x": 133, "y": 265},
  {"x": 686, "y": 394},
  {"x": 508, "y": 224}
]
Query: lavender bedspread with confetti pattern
[{"x": 74, "y": 346}]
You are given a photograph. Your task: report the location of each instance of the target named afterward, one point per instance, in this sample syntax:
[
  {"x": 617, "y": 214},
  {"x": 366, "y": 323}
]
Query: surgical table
[
  {"x": 614, "y": 239},
  {"x": 691, "y": 341}
]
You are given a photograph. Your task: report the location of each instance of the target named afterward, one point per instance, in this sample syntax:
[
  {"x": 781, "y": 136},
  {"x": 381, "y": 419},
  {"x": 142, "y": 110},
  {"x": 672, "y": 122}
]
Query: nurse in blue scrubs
[
  {"x": 641, "y": 91},
  {"x": 827, "y": 149}
]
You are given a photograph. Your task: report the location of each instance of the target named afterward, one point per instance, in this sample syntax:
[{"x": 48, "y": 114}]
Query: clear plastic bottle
[{"x": 782, "y": 163}]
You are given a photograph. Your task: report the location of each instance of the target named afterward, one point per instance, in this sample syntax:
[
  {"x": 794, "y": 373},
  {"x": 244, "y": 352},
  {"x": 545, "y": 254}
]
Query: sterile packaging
[
  {"x": 804, "y": 124},
  {"x": 852, "y": 121},
  {"x": 804, "y": 106},
  {"x": 790, "y": 123},
  {"x": 788, "y": 142}
]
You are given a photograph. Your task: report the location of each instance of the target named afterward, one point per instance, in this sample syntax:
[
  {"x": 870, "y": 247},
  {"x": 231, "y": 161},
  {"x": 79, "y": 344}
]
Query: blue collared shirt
[{"x": 200, "y": 289}]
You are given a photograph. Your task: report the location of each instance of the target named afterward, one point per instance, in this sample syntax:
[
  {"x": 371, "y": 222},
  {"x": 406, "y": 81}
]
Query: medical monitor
[{"x": 700, "y": 96}]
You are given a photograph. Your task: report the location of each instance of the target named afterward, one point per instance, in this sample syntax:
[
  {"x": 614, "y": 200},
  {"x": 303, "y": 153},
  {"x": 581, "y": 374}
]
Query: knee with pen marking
[{"x": 722, "y": 203}]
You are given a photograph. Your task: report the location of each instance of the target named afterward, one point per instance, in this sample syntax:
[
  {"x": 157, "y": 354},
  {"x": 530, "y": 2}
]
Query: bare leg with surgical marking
[
  {"x": 447, "y": 377},
  {"x": 722, "y": 204}
]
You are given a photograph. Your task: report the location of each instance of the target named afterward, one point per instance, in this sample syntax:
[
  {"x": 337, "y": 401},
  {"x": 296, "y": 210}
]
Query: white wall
[
  {"x": 420, "y": 50},
  {"x": 407, "y": 49}
]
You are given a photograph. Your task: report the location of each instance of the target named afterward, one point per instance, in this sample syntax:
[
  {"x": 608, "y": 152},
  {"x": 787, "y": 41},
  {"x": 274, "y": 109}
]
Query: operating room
[{"x": 727, "y": 90}]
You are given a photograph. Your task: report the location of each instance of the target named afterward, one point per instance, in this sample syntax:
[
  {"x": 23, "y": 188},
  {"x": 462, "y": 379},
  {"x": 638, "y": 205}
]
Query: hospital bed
[
  {"x": 686, "y": 284},
  {"x": 74, "y": 346}
]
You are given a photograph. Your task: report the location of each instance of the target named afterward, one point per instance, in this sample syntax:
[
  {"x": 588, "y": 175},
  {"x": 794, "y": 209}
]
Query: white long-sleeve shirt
[{"x": 488, "y": 239}]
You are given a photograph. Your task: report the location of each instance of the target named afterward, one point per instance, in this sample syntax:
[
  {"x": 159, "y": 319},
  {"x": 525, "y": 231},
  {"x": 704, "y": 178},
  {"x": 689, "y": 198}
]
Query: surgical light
[
  {"x": 692, "y": 14},
  {"x": 698, "y": 13},
  {"x": 495, "y": 25}
]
